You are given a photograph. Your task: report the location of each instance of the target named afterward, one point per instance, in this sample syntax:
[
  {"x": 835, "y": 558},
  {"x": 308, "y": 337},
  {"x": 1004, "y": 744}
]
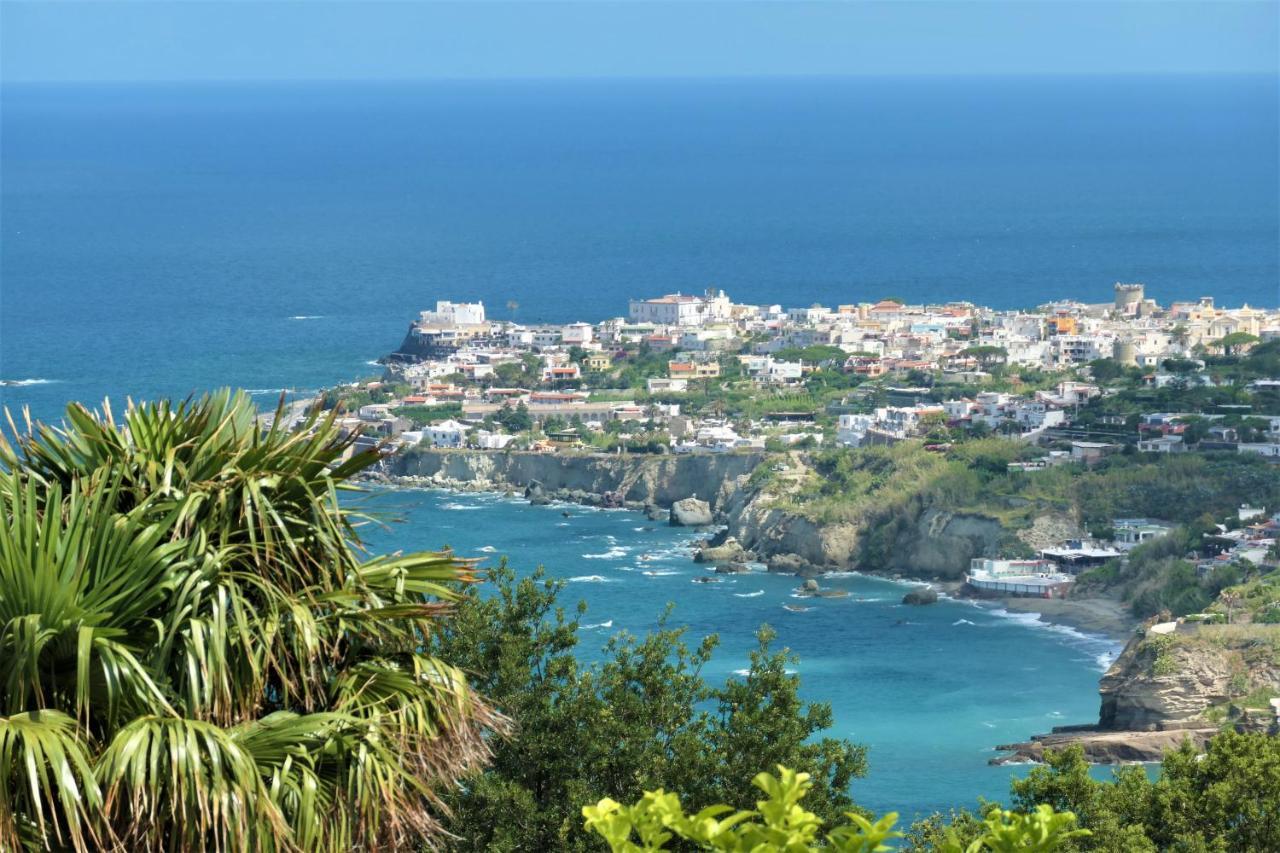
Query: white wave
[
  {"x": 589, "y": 579},
  {"x": 459, "y": 507},
  {"x": 963, "y": 622},
  {"x": 307, "y": 317},
  {"x": 612, "y": 554},
  {"x": 1056, "y": 715},
  {"x": 373, "y": 363},
  {"x": 659, "y": 574},
  {"x": 748, "y": 594},
  {"x": 25, "y": 382},
  {"x": 608, "y": 623},
  {"x": 1110, "y": 649},
  {"x": 275, "y": 391},
  {"x": 486, "y": 549},
  {"x": 562, "y": 524}
]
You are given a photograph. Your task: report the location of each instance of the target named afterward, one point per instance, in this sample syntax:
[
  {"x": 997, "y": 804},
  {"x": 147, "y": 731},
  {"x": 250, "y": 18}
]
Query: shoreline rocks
[
  {"x": 1105, "y": 747},
  {"x": 691, "y": 512},
  {"x": 922, "y": 596},
  {"x": 730, "y": 551}
]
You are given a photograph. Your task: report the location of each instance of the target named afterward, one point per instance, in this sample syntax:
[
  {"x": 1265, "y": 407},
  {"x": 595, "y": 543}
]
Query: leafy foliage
[
  {"x": 640, "y": 718},
  {"x": 1225, "y": 799},
  {"x": 194, "y": 651},
  {"x": 780, "y": 823}
]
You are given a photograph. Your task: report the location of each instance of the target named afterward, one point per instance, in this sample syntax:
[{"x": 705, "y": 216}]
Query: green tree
[
  {"x": 1223, "y": 799},
  {"x": 194, "y": 654},
  {"x": 986, "y": 354},
  {"x": 515, "y": 418},
  {"x": 1230, "y": 344},
  {"x": 640, "y": 718}
]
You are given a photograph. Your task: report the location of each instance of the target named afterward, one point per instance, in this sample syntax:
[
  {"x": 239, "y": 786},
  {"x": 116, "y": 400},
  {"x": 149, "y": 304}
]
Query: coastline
[{"x": 1095, "y": 617}]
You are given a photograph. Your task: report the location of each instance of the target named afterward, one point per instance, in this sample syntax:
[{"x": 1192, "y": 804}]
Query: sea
[
  {"x": 929, "y": 690},
  {"x": 163, "y": 239}
]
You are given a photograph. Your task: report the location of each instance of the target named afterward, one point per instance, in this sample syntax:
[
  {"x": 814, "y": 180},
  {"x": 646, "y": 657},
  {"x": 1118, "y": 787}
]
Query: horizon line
[{"x": 663, "y": 77}]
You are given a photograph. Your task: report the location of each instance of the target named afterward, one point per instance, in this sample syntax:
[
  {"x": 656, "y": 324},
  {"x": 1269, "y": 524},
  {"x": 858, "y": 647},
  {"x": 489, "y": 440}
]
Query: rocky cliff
[
  {"x": 1166, "y": 687},
  {"x": 1171, "y": 680},
  {"x": 640, "y": 479},
  {"x": 926, "y": 542}
]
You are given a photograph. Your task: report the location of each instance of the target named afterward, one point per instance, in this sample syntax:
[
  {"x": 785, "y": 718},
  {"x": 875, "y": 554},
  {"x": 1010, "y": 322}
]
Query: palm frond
[{"x": 47, "y": 785}]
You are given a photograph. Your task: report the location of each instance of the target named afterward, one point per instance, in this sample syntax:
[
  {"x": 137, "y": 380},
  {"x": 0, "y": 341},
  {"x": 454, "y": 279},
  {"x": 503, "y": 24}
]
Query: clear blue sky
[{"x": 108, "y": 40}]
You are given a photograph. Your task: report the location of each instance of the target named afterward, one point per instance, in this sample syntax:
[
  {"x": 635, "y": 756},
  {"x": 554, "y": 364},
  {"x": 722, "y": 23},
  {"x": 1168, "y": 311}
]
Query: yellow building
[{"x": 693, "y": 369}]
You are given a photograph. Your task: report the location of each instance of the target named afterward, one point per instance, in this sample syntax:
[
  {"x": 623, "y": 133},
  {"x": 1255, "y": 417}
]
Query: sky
[{"x": 185, "y": 40}]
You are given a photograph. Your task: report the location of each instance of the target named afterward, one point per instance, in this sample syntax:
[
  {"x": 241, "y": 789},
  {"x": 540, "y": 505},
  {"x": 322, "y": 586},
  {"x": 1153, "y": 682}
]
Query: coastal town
[{"x": 1067, "y": 384}]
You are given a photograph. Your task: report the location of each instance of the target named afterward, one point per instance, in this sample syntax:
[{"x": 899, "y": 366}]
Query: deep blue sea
[
  {"x": 161, "y": 240},
  {"x": 929, "y": 689}
]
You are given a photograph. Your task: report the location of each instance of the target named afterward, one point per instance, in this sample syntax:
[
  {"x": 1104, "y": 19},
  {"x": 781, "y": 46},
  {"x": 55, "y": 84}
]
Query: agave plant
[{"x": 196, "y": 652}]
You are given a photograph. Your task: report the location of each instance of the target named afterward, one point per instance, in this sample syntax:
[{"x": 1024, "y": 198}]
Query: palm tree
[
  {"x": 196, "y": 653},
  {"x": 1231, "y": 600}
]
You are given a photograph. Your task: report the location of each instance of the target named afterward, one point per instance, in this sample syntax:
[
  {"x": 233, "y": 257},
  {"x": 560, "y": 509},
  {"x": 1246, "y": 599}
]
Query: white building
[
  {"x": 577, "y": 334},
  {"x": 852, "y": 429},
  {"x": 447, "y": 434},
  {"x": 658, "y": 384},
  {"x": 676, "y": 309},
  {"x": 454, "y": 314},
  {"x": 493, "y": 440}
]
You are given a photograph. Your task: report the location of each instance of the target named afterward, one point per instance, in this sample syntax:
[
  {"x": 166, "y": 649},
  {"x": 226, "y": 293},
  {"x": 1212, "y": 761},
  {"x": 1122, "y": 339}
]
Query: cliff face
[
  {"x": 1164, "y": 681},
  {"x": 927, "y": 542},
  {"x": 924, "y": 542},
  {"x": 1165, "y": 688},
  {"x": 659, "y": 480}
]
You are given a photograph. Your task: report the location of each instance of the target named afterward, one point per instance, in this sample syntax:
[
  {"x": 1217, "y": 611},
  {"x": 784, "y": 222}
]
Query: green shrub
[{"x": 779, "y": 823}]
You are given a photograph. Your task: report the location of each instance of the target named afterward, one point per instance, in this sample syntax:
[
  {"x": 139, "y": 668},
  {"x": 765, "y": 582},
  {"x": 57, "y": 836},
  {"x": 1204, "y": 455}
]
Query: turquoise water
[
  {"x": 163, "y": 239},
  {"x": 930, "y": 696}
]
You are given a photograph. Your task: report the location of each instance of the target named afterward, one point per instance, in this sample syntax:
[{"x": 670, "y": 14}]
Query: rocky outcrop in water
[
  {"x": 921, "y": 596},
  {"x": 728, "y": 551},
  {"x": 691, "y": 512},
  {"x": 1105, "y": 747}
]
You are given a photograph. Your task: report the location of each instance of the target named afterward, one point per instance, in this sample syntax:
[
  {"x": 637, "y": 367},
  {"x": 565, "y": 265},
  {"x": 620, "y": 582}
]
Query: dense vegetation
[
  {"x": 641, "y": 718},
  {"x": 195, "y": 654},
  {"x": 780, "y": 822},
  {"x": 603, "y": 734}
]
